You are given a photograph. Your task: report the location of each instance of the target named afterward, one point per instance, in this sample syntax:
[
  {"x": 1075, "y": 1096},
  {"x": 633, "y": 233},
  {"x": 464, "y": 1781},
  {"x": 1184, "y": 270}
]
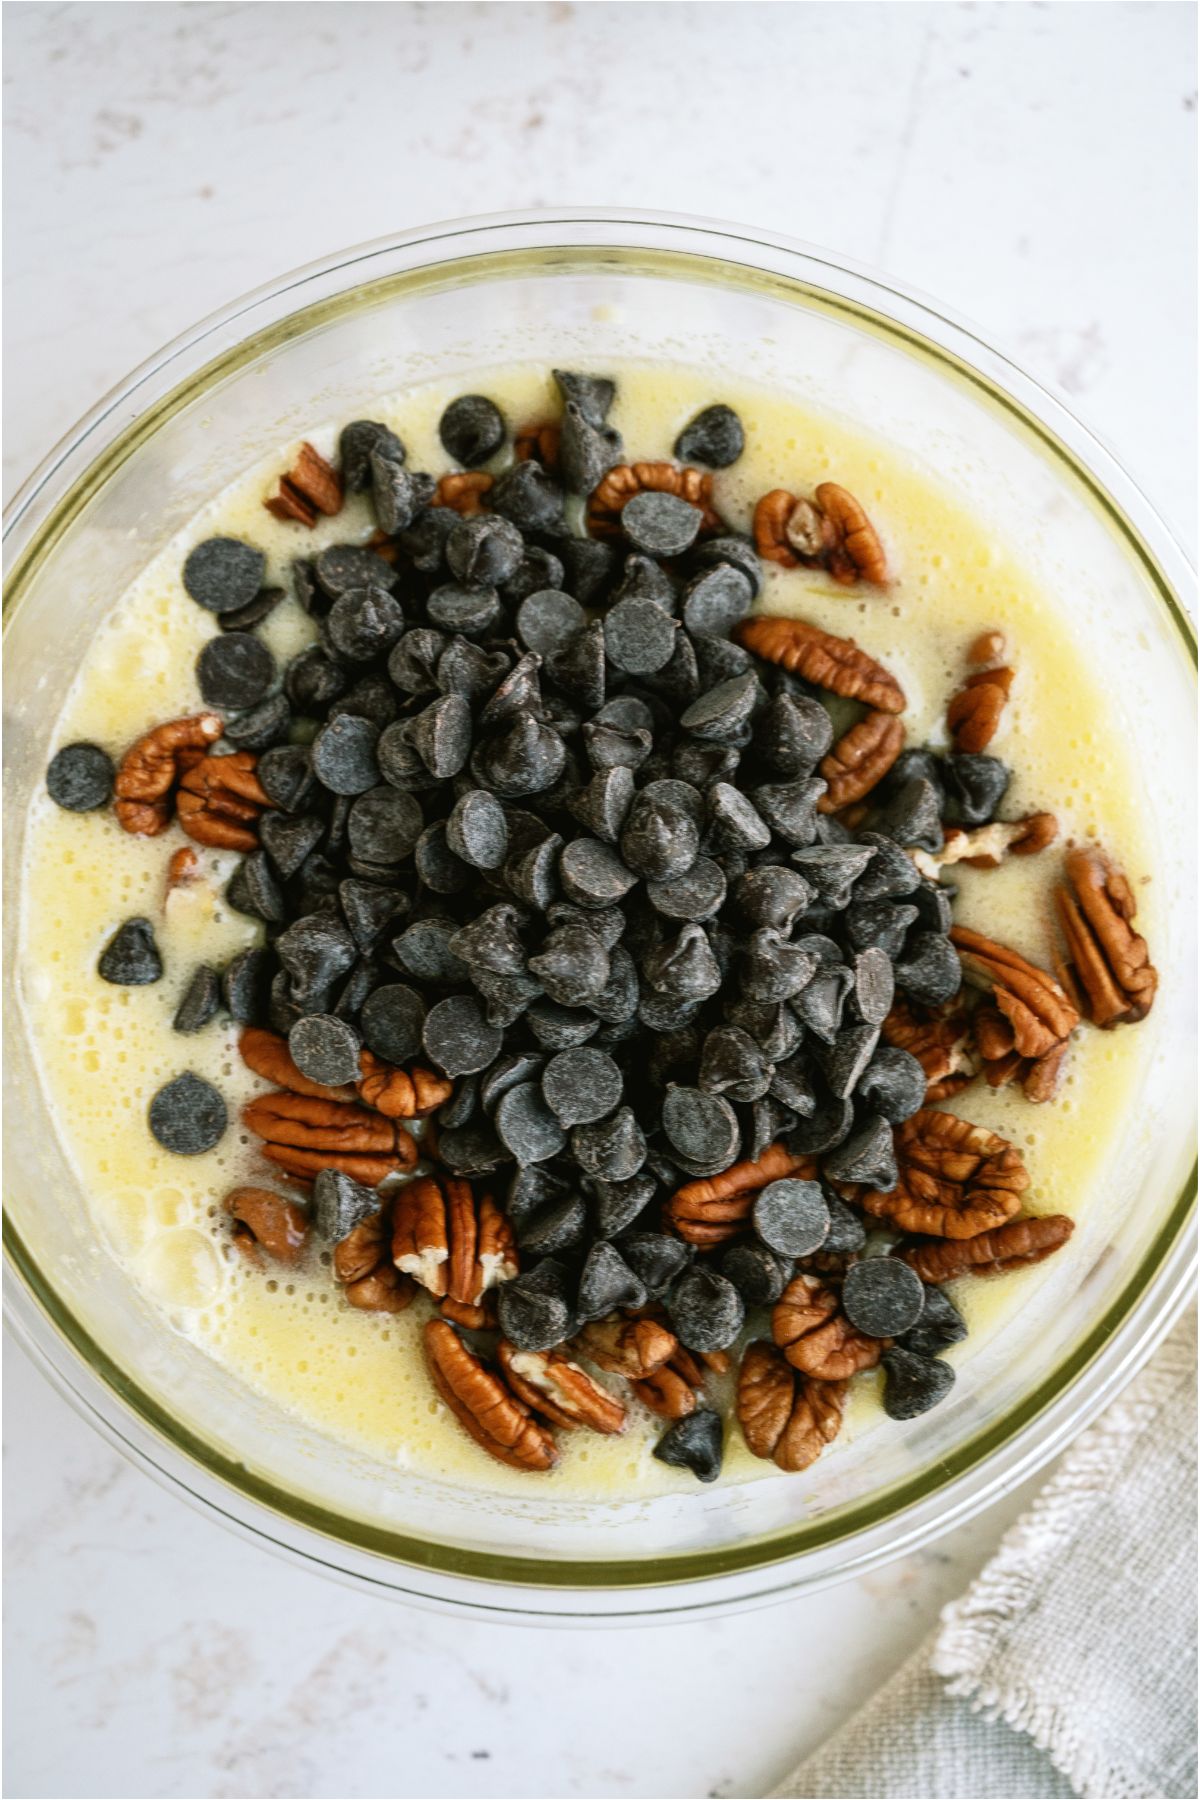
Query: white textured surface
[{"x": 1032, "y": 167}]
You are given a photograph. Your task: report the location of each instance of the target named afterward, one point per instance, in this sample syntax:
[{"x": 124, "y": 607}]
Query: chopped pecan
[
  {"x": 454, "y": 1244},
  {"x": 363, "y": 1264},
  {"x": 718, "y": 1207},
  {"x": 783, "y": 1415},
  {"x": 620, "y": 484},
  {"x": 311, "y": 486},
  {"x": 149, "y": 770},
  {"x": 538, "y": 443},
  {"x": 268, "y": 1221},
  {"x": 956, "y": 1179},
  {"x": 859, "y": 760},
  {"x": 475, "y": 1318},
  {"x": 1039, "y": 1011},
  {"x": 830, "y": 662},
  {"x": 304, "y": 1134},
  {"x": 831, "y": 531},
  {"x": 1012, "y": 1246},
  {"x": 220, "y": 799},
  {"x": 816, "y": 1337},
  {"x": 1109, "y": 960},
  {"x": 183, "y": 870},
  {"x": 672, "y": 1391},
  {"x": 463, "y": 493},
  {"x": 987, "y": 846},
  {"x": 483, "y": 1405},
  {"x": 974, "y": 712},
  {"x": 988, "y": 647},
  {"x": 939, "y": 1038},
  {"x": 400, "y": 1093},
  {"x": 634, "y": 1348},
  {"x": 551, "y": 1384}
]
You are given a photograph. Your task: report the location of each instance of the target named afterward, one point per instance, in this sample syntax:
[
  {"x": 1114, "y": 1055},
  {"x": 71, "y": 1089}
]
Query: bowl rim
[{"x": 1110, "y": 1352}]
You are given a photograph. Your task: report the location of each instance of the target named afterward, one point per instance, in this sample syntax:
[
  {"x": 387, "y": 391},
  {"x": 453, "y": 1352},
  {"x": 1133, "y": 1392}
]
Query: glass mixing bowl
[{"x": 320, "y": 344}]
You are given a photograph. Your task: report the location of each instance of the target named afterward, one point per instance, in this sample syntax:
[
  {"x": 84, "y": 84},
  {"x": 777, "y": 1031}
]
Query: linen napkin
[{"x": 1069, "y": 1666}]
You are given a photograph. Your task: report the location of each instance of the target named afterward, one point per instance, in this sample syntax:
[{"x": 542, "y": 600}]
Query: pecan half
[
  {"x": 988, "y": 845},
  {"x": 956, "y": 1179},
  {"x": 463, "y": 492},
  {"x": 974, "y": 712},
  {"x": 220, "y": 799},
  {"x": 634, "y": 1348},
  {"x": 784, "y": 1416},
  {"x": 1109, "y": 960},
  {"x": 362, "y": 1263},
  {"x": 454, "y": 1244},
  {"x": 718, "y": 1207},
  {"x": 551, "y": 1384},
  {"x": 816, "y": 1337},
  {"x": 857, "y": 550},
  {"x": 149, "y": 770},
  {"x": 268, "y": 1221},
  {"x": 484, "y": 1407},
  {"x": 831, "y": 531},
  {"x": 400, "y": 1093},
  {"x": 830, "y": 662},
  {"x": 940, "y": 1039},
  {"x": 311, "y": 486},
  {"x": 538, "y": 443},
  {"x": 608, "y": 500},
  {"x": 859, "y": 760},
  {"x": 1039, "y": 1011},
  {"x": 1012, "y": 1246},
  {"x": 303, "y": 1135}
]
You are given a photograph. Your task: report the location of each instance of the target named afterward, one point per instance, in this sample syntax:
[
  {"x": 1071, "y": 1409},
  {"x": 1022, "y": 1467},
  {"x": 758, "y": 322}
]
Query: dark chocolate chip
[
  {"x": 484, "y": 549},
  {"x": 312, "y": 680},
  {"x": 719, "y": 715},
  {"x": 695, "y": 1442},
  {"x": 606, "y": 1283},
  {"x": 702, "y": 1127},
  {"x": 558, "y": 1226},
  {"x": 363, "y": 624},
  {"x": 289, "y": 841},
  {"x": 530, "y": 497},
  {"x": 639, "y": 637},
  {"x": 80, "y": 778},
  {"x": 246, "y": 986},
  {"x": 587, "y": 449},
  {"x": 940, "y": 1325},
  {"x": 477, "y": 830},
  {"x": 714, "y": 437},
  {"x": 262, "y": 726},
  {"x": 188, "y": 1115},
  {"x": 131, "y": 957},
  {"x": 705, "y": 1309},
  {"x": 340, "y": 1204},
  {"x": 867, "y": 1156},
  {"x": 343, "y": 755},
  {"x": 758, "y": 1274},
  {"x": 611, "y": 1149},
  {"x": 341, "y": 567},
  {"x": 660, "y": 524},
  {"x": 930, "y": 970},
  {"x": 368, "y": 907},
  {"x": 656, "y": 1259},
  {"x": 913, "y": 1384},
  {"x": 201, "y": 1001},
  {"x": 734, "y": 1065},
  {"x": 384, "y": 825},
  {"x": 880, "y": 923},
  {"x": 617, "y": 1204},
  {"x": 975, "y": 786},
  {"x": 833, "y": 870},
  {"x": 471, "y": 430},
  {"x": 792, "y": 734},
  {"x": 847, "y": 1233},
  {"x": 791, "y": 1217},
  {"x": 912, "y": 816},
  {"x": 471, "y": 1149},
  {"x": 890, "y": 874},
  {"x": 729, "y": 548},
  {"x": 458, "y": 1037},
  {"x": 526, "y": 1126},
  {"x": 533, "y": 1309},
  {"x": 882, "y": 1296},
  {"x": 716, "y": 600},
  {"x": 222, "y": 574},
  {"x": 325, "y": 1049},
  {"x": 695, "y": 896},
  {"x": 893, "y": 1084},
  {"x": 356, "y": 441},
  {"x": 548, "y": 620},
  {"x": 581, "y": 1085},
  {"x": 245, "y": 618},
  {"x": 592, "y": 394},
  {"x": 399, "y": 495},
  {"x": 392, "y": 1021},
  {"x": 234, "y": 671}
]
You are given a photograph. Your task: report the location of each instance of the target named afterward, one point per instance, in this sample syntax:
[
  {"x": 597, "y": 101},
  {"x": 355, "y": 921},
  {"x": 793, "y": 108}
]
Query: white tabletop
[{"x": 1033, "y": 167}]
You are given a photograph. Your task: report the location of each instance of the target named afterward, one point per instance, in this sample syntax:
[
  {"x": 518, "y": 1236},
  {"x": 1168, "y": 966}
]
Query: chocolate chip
[
  {"x": 720, "y": 659},
  {"x": 581, "y": 1085},
  {"x": 234, "y": 671},
  {"x": 893, "y": 1084},
  {"x": 792, "y": 1084},
  {"x": 342, "y": 567},
  {"x": 847, "y": 1233},
  {"x": 695, "y": 896},
  {"x": 843, "y": 1061},
  {"x": 533, "y": 876},
  {"x": 593, "y": 876},
  {"x": 578, "y": 669},
  {"x": 548, "y": 620},
  {"x": 975, "y": 786},
  {"x": 719, "y": 715},
  {"x": 612, "y": 1149},
  {"x": 890, "y": 874},
  {"x": 201, "y": 1001},
  {"x": 131, "y": 957},
  {"x": 729, "y": 548},
  {"x": 616, "y": 1204},
  {"x": 590, "y": 567},
  {"x": 312, "y": 680},
  {"x": 934, "y": 904},
  {"x": 911, "y": 818},
  {"x": 222, "y": 574},
  {"x": 572, "y": 965},
  {"x": 695, "y": 1442},
  {"x": 80, "y": 778},
  {"x": 392, "y": 1021},
  {"x": 827, "y": 1126},
  {"x": 384, "y": 825},
  {"x": 940, "y": 1325},
  {"x": 866, "y": 1156},
  {"x": 245, "y": 618},
  {"x": 356, "y": 441},
  {"x": 436, "y": 864},
  {"x": 930, "y": 970},
  {"x": 246, "y": 985},
  {"x": 362, "y": 624},
  {"x": 587, "y": 449},
  {"x": 368, "y": 907},
  {"x": 734, "y": 1065},
  {"x": 340, "y": 1204},
  {"x": 606, "y": 1283},
  {"x": 398, "y": 494},
  {"x": 289, "y": 841},
  {"x": 457, "y": 1036},
  {"x": 471, "y": 1149},
  {"x": 793, "y": 733},
  {"x": 702, "y": 1127},
  {"x": 790, "y": 808},
  {"x": 188, "y": 1115},
  {"x": 772, "y": 968},
  {"x": 592, "y": 394},
  {"x": 705, "y": 1309},
  {"x": 530, "y": 497},
  {"x": 533, "y": 1310},
  {"x": 714, "y": 437},
  {"x": 461, "y": 1107},
  {"x": 685, "y": 968},
  {"x": 791, "y": 1217},
  {"x": 716, "y": 600},
  {"x": 880, "y": 923},
  {"x": 832, "y": 870},
  {"x": 660, "y": 524},
  {"x": 639, "y": 637},
  {"x": 525, "y": 758},
  {"x": 471, "y": 611},
  {"x": 659, "y": 839},
  {"x": 343, "y": 755},
  {"x": 477, "y": 830},
  {"x": 484, "y": 549},
  {"x": 526, "y": 1126},
  {"x": 262, "y": 726},
  {"x": 656, "y": 1259},
  {"x": 882, "y": 1296},
  {"x": 758, "y": 1274},
  {"x": 913, "y": 1384},
  {"x": 372, "y": 697},
  {"x": 471, "y": 430},
  {"x": 325, "y": 1049},
  {"x": 735, "y": 822}
]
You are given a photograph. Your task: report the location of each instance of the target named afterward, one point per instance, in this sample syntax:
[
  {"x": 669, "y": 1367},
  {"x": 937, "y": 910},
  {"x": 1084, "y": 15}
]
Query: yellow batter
[{"x": 105, "y": 1050}]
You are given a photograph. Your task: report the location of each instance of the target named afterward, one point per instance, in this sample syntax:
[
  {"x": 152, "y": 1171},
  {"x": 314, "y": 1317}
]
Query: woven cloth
[{"x": 1069, "y": 1667}]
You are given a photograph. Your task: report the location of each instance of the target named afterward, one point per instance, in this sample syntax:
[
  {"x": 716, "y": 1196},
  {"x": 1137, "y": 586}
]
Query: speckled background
[{"x": 1033, "y": 167}]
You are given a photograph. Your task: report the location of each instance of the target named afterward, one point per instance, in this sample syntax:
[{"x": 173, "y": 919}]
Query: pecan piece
[
  {"x": 988, "y": 845},
  {"x": 304, "y": 1134},
  {"x": 859, "y": 760},
  {"x": 268, "y": 1221},
  {"x": 1012, "y": 1246},
  {"x": 956, "y": 1179},
  {"x": 814, "y": 1334},
  {"x": 783, "y": 1415},
  {"x": 149, "y": 770},
  {"x": 830, "y": 662},
  {"x": 455, "y": 1245},
  {"x": 974, "y": 712},
  {"x": 483, "y": 1405},
  {"x": 400, "y": 1093},
  {"x": 988, "y": 647},
  {"x": 939, "y": 1038},
  {"x": 220, "y": 799},
  {"x": 1039, "y": 1011},
  {"x": 311, "y": 486},
  {"x": 634, "y": 1348},
  {"x": 831, "y": 531},
  {"x": 712, "y": 1210},
  {"x": 608, "y": 499},
  {"x": 363, "y": 1264},
  {"x": 1109, "y": 960},
  {"x": 463, "y": 493},
  {"x": 183, "y": 870},
  {"x": 538, "y": 443},
  {"x": 551, "y": 1384},
  {"x": 672, "y": 1391}
]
